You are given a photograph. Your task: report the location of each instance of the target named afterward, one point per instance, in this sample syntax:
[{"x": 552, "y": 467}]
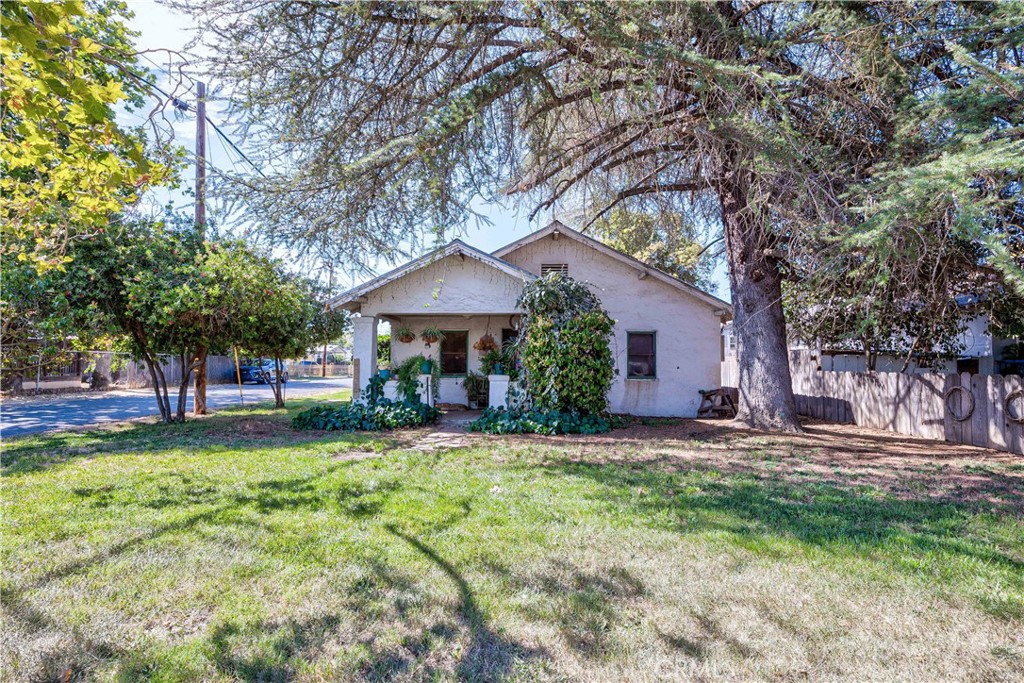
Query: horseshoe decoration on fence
[
  {"x": 1012, "y": 415},
  {"x": 968, "y": 411}
]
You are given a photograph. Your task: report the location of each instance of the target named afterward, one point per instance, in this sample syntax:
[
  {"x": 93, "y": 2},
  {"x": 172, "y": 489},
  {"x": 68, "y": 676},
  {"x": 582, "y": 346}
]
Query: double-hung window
[{"x": 641, "y": 360}]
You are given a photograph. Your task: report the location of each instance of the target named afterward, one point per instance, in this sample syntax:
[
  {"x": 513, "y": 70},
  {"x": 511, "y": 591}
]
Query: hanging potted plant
[
  {"x": 485, "y": 343},
  {"x": 405, "y": 334},
  {"x": 431, "y": 335}
]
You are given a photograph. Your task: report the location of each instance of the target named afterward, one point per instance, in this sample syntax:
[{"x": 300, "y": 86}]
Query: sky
[{"x": 161, "y": 28}]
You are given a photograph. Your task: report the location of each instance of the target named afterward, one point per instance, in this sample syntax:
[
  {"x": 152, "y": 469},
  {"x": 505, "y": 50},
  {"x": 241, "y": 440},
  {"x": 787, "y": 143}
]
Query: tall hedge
[{"x": 564, "y": 349}]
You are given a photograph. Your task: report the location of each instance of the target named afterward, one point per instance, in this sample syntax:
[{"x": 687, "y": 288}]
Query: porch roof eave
[
  {"x": 446, "y": 314},
  {"x": 353, "y": 299}
]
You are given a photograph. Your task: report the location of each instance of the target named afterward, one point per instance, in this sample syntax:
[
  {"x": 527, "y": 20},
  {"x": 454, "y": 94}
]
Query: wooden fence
[
  {"x": 978, "y": 410},
  {"x": 135, "y": 374}
]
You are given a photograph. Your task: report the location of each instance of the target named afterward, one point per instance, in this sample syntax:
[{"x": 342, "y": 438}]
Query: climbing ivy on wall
[{"x": 564, "y": 347}]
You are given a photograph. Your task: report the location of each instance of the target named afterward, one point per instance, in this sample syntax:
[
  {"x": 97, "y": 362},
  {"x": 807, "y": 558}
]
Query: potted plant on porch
[
  {"x": 492, "y": 362},
  {"x": 477, "y": 387}
]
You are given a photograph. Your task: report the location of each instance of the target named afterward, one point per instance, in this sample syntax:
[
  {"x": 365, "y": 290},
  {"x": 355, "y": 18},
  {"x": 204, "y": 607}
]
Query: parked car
[{"x": 258, "y": 372}]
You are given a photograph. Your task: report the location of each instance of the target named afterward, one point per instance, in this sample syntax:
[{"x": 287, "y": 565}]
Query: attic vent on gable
[{"x": 562, "y": 268}]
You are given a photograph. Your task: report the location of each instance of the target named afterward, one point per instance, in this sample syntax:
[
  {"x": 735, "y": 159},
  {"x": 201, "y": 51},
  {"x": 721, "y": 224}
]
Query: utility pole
[{"x": 199, "y": 401}]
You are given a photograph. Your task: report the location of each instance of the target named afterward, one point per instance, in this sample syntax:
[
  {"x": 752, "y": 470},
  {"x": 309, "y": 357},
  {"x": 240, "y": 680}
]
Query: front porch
[{"x": 455, "y": 354}]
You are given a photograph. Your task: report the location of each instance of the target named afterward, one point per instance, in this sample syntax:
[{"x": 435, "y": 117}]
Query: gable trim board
[
  {"x": 556, "y": 229},
  {"x": 353, "y": 298}
]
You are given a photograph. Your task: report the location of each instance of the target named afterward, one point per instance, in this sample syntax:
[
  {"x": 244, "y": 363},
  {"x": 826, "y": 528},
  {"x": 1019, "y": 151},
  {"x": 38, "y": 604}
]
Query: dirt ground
[{"x": 899, "y": 465}]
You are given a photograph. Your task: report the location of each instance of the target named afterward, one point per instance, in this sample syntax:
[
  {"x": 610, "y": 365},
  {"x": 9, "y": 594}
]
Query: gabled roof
[
  {"x": 355, "y": 295},
  {"x": 561, "y": 229}
]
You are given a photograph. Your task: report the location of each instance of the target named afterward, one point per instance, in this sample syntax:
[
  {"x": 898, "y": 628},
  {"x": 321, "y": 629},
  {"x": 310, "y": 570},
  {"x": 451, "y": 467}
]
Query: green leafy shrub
[
  {"x": 564, "y": 349},
  {"x": 501, "y": 421},
  {"x": 383, "y": 350},
  {"x": 376, "y": 417}
]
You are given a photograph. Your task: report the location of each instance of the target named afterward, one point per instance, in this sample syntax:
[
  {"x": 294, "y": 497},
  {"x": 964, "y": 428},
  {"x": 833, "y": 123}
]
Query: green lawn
[{"x": 233, "y": 548}]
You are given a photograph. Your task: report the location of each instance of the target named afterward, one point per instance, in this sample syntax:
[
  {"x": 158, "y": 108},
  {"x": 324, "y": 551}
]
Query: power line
[{"x": 182, "y": 105}]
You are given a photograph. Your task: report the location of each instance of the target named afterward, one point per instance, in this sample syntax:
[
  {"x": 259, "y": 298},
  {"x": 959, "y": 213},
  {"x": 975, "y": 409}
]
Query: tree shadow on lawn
[
  {"x": 231, "y": 429},
  {"x": 459, "y": 642},
  {"x": 273, "y": 649},
  {"x": 768, "y": 515}
]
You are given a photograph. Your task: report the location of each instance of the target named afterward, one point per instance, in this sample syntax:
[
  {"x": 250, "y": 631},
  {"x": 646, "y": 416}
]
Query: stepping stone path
[{"x": 451, "y": 431}]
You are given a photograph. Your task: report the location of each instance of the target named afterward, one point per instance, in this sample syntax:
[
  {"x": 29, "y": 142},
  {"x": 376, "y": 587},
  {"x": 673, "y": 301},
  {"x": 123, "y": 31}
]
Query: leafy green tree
[
  {"x": 278, "y": 316},
  {"x": 783, "y": 121},
  {"x": 914, "y": 303},
  {"x": 666, "y": 242},
  {"x": 116, "y": 280},
  {"x": 938, "y": 215},
  {"x": 327, "y": 325},
  {"x": 33, "y": 324},
  {"x": 67, "y": 67},
  {"x": 169, "y": 294}
]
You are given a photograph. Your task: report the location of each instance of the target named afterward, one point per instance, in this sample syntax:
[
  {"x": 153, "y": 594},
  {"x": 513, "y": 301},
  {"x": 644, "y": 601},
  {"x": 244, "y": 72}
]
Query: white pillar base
[{"x": 498, "y": 391}]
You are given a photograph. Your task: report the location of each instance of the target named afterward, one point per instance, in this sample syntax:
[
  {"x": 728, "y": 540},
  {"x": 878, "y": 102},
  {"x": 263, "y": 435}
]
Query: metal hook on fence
[
  {"x": 1017, "y": 417},
  {"x": 966, "y": 414}
]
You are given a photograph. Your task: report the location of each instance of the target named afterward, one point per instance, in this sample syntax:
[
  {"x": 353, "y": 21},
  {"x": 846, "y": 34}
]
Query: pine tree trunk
[{"x": 765, "y": 383}]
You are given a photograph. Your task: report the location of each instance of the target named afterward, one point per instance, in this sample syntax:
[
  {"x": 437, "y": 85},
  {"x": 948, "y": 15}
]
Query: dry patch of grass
[{"x": 235, "y": 548}]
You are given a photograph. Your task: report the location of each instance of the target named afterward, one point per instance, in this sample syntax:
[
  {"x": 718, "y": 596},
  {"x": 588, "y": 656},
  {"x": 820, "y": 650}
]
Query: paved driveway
[{"x": 27, "y": 415}]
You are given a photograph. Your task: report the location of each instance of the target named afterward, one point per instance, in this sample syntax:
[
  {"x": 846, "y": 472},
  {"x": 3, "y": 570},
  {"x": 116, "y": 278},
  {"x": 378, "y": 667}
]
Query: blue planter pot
[
  {"x": 498, "y": 370},
  {"x": 425, "y": 368},
  {"x": 384, "y": 374}
]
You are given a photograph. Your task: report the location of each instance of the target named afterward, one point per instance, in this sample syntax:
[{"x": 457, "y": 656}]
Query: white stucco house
[{"x": 666, "y": 341}]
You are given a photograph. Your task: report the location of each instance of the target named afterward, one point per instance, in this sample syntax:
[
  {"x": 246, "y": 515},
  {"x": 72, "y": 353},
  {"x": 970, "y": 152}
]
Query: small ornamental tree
[
  {"x": 327, "y": 325},
  {"x": 564, "y": 347},
  {"x": 166, "y": 292},
  {"x": 140, "y": 279},
  {"x": 283, "y": 317}
]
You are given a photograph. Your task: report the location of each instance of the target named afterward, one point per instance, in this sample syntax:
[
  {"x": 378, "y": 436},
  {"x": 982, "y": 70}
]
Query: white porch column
[
  {"x": 498, "y": 391},
  {"x": 364, "y": 352}
]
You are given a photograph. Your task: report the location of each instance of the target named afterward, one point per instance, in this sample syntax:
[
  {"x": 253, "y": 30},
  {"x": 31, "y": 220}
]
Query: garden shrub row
[
  {"x": 374, "y": 417},
  {"x": 502, "y": 421}
]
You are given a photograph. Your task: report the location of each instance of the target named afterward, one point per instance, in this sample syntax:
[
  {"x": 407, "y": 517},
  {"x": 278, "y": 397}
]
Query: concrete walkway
[
  {"x": 33, "y": 414},
  {"x": 450, "y": 431}
]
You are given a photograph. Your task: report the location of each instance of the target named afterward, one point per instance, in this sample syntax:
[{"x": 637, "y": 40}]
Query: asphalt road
[{"x": 28, "y": 415}]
